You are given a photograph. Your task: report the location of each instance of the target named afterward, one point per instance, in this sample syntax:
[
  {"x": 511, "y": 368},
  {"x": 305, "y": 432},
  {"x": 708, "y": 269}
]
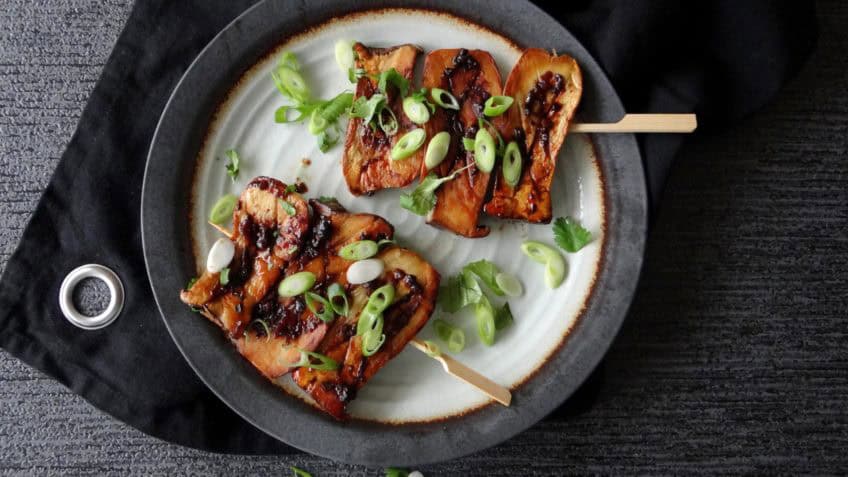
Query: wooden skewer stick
[
  {"x": 452, "y": 366},
  {"x": 464, "y": 373},
  {"x": 641, "y": 123}
]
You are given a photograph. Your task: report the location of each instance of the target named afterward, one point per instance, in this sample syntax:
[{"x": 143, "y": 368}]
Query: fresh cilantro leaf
[
  {"x": 233, "y": 165},
  {"x": 287, "y": 207},
  {"x": 570, "y": 235},
  {"x": 191, "y": 283},
  {"x": 393, "y": 77},
  {"x": 423, "y": 198},
  {"x": 291, "y": 188},
  {"x": 486, "y": 271},
  {"x": 503, "y": 317},
  {"x": 421, "y": 97},
  {"x": 461, "y": 290},
  {"x": 224, "y": 278}
]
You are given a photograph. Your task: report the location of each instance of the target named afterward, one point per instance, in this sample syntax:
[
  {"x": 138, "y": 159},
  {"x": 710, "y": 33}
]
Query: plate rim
[{"x": 507, "y": 421}]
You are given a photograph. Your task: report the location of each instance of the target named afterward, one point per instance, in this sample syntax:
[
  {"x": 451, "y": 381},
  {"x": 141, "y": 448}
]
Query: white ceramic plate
[{"x": 411, "y": 387}]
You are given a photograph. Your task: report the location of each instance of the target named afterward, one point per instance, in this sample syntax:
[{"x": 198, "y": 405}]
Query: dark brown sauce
[{"x": 541, "y": 107}]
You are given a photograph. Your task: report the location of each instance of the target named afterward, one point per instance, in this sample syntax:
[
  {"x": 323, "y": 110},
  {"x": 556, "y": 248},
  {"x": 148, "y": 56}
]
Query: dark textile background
[{"x": 721, "y": 59}]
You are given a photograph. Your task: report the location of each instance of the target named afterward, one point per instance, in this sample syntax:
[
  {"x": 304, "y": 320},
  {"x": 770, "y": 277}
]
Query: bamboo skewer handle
[
  {"x": 641, "y": 123},
  {"x": 464, "y": 373}
]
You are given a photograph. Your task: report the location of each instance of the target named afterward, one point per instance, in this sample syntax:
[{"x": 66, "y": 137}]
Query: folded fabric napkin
[{"x": 721, "y": 59}]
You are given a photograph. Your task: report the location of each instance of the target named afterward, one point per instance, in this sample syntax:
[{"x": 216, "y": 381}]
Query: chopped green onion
[
  {"x": 191, "y": 283},
  {"x": 265, "y": 328},
  {"x": 503, "y": 317},
  {"x": 317, "y": 122},
  {"x": 485, "y": 271},
  {"x": 452, "y": 335},
  {"x": 372, "y": 341},
  {"x": 369, "y": 320},
  {"x": 224, "y": 277},
  {"x": 222, "y": 211},
  {"x": 367, "y": 108},
  {"x": 509, "y": 284},
  {"x": 485, "y": 124},
  {"x": 416, "y": 111},
  {"x": 497, "y": 105},
  {"x": 437, "y": 150},
  {"x": 553, "y": 261},
  {"x": 388, "y": 122},
  {"x": 319, "y": 306},
  {"x": 300, "y": 472},
  {"x": 354, "y": 74},
  {"x": 432, "y": 349},
  {"x": 233, "y": 164},
  {"x": 328, "y": 138},
  {"x": 396, "y": 472},
  {"x": 344, "y": 55},
  {"x": 291, "y": 83},
  {"x": 422, "y": 199},
  {"x": 468, "y": 143},
  {"x": 288, "y": 60},
  {"x": 338, "y": 299},
  {"x": 382, "y": 297},
  {"x": 555, "y": 272},
  {"x": 288, "y": 208},
  {"x": 484, "y": 150},
  {"x": 359, "y": 250},
  {"x": 385, "y": 242},
  {"x": 539, "y": 252},
  {"x": 408, "y": 144},
  {"x": 512, "y": 164},
  {"x": 485, "y": 315},
  {"x": 325, "y": 362},
  {"x": 444, "y": 99},
  {"x": 295, "y": 284}
]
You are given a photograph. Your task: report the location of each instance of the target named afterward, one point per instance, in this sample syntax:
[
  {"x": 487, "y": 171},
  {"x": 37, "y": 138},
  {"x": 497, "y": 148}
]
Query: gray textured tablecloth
[{"x": 733, "y": 359}]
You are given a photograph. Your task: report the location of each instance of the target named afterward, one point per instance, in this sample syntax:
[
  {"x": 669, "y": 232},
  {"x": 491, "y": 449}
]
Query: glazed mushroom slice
[
  {"x": 271, "y": 226},
  {"x": 366, "y": 162},
  {"x": 416, "y": 285},
  {"x": 471, "y": 76},
  {"x": 547, "y": 89}
]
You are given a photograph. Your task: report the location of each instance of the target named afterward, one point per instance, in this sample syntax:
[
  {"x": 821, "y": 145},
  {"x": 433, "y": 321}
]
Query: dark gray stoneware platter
[{"x": 411, "y": 413}]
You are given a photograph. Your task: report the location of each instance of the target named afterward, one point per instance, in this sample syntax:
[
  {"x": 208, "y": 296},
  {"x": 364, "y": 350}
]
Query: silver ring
[{"x": 116, "y": 296}]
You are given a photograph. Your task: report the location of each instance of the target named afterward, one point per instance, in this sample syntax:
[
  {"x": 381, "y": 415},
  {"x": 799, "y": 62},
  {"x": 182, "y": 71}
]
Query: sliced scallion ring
[
  {"x": 319, "y": 306},
  {"x": 325, "y": 362},
  {"x": 344, "y": 55},
  {"x": 222, "y": 211},
  {"x": 338, "y": 299},
  {"x": 444, "y": 99},
  {"x": 539, "y": 252},
  {"x": 468, "y": 144},
  {"x": 317, "y": 122},
  {"x": 383, "y": 242},
  {"x": 555, "y": 272},
  {"x": 295, "y": 284},
  {"x": 497, "y": 105},
  {"x": 509, "y": 284},
  {"x": 408, "y": 144},
  {"x": 368, "y": 320},
  {"x": 416, "y": 110},
  {"x": 443, "y": 329},
  {"x": 382, "y": 297},
  {"x": 291, "y": 82},
  {"x": 437, "y": 150},
  {"x": 485, "y": 315},
  {"x": 387, "y": 120},
  {"x": 456, "y": 340},
  {"x": 484, "y": 151},
  {"x": 372, "y": 341},
  {"x": 359, "y": 250},
  {"x": 512, "y": 164}
]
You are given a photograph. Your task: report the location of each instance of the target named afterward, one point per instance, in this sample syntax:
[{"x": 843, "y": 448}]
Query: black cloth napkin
[{"x": 721, "y": 59}]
